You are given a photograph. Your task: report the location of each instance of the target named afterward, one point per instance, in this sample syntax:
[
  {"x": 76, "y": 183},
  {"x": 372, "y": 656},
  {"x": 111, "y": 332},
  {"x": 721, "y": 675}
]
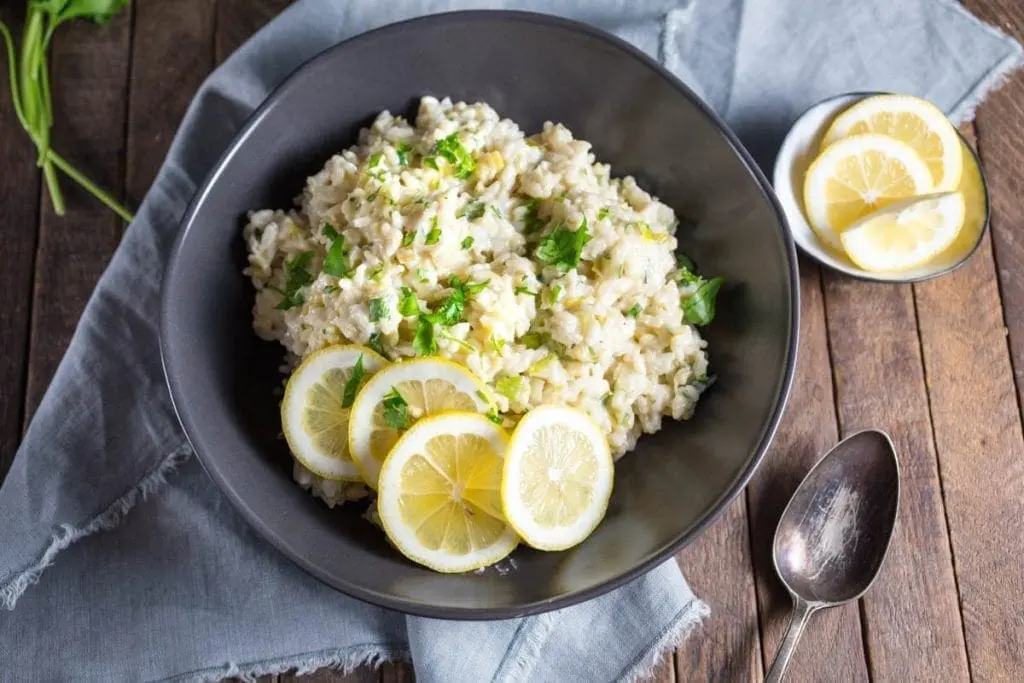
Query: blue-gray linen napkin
[{"x": 150, "y": 574}]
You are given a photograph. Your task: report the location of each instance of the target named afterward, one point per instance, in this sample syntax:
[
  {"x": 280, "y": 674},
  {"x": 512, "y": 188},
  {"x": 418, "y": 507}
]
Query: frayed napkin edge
[
  {"x": 13, "y": 588},
  {"x": 343, "y": 660},
  {"x": 684, "y": 623}
]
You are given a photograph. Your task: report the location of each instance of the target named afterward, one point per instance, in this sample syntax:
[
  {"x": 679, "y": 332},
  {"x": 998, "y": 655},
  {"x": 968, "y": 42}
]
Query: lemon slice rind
[
  {"x": 882, "y": 113},
  {"x": 361, "y": 422},
  {"x": 389, "y": 502},
  {"x": 906, "y": 234},
  {"x": 294, "y": 405},
  {"x": 515, "y": 476},
  {"x": 823, "y": 171}
]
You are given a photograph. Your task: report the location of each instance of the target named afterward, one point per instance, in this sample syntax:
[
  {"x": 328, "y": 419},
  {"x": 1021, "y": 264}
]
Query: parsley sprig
[
  {"x": 352, "y": 385},
  {"x": 30, "y": 88},
  {"x": 699, "y": 305},
  {"x": 297, "y": 277},
  {"x": 563, "y": 247},
  {"x": 396, "y": 410}
]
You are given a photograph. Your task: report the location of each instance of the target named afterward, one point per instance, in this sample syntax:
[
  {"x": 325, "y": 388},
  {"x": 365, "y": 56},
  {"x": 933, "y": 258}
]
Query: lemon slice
[
  {"x": 395, "y": 398},
  {"x": 907, "y": 234},
  {"x": 857, "y": 176},
  {"x": 917, "y": 122},
  {"x": 557, "y": 478},
  {"x": 317, "y": 404},
  {"x": 439, "y": 497}
]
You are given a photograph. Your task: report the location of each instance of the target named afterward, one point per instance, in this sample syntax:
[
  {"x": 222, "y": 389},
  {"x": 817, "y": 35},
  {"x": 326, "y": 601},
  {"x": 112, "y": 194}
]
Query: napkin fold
[{"x": 177, "y": 587}]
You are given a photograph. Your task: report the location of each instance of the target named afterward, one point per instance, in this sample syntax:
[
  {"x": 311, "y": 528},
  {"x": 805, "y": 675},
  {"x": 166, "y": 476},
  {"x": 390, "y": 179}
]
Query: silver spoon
[{"x": 834, "y": 533}]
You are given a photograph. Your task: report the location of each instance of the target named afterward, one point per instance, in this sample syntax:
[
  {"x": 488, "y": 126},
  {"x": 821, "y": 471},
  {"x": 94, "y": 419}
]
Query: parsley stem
[{"x": 94, "y": 189}]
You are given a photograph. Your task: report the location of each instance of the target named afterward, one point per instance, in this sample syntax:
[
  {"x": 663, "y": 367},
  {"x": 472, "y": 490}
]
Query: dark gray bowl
[{"x": 531, "y": 68}]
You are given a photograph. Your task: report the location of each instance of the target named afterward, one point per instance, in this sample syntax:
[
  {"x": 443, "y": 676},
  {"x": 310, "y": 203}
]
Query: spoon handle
[{"x": 802, "y": 611}]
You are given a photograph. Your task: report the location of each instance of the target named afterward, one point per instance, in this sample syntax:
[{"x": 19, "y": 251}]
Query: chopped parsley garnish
[
  {"x": 472, "y": 210},
  {"x": 532, "y": 340},
  {"x": 449, "y": 312},
  {"x": 475, "y": 288},
  {"x": 498, "y": 344},
  {"x": 377, "y": 345},
  {"x": 555, "y": 294},
  {"x": 408, "y": 306},
  {"x": 402, "y": 150},
  {"x": 699, "y": 307},
  {"x": 423, "y": 342},
  {"x": 396, "y": 410},
  {"x": 495, "y": 211},
  {"x": 468, "y": 242},
  {"x": 531, "y": 221},
  {"x": 336, "y": 261},
  {"x": 408, "y": 238},
  {"x": 330, "y": 289},
  {"x": 434, "y": 236},
  {"x": 635, "y": 311},
  {"x": 603, "y": 213},
  {"x": 523, "y": 289},
  {"x": 494, "y": 417},
  {"x": 509, "y": 386},
  {"x": 352, "y": 385},
  {"x": 297, "y": 277},
  {"x": 563, "y": 247},
  {"x": 455, "y": 154},
  {"x": 374, "y": 160},
  {"x": 378, "y": 310},
  {"x": 375, "y": 272},
  {"x": 430, "y": 162},
  {"x": 422, "y": 275},
  {"x": 685, "y": 262},
  {"x": 461, "y": 342}
]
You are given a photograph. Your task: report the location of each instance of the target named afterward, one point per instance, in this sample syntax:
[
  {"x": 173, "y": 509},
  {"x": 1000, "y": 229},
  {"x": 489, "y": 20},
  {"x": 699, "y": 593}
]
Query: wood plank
[
  {"x": 172, "y": 52},
  {"x": 237, "y": 20},
  {"x": 397, "y": 672},
  {"x": 912, "y": 613},
  {"x": 90, "y": 67},
  {"x": 831, "y": 648},
  {"x": 19, "y": 211},
  {"x": 363, "y": 674},
  {"x": 975, "y": 400},
  {"x": 718, "y": 567}
]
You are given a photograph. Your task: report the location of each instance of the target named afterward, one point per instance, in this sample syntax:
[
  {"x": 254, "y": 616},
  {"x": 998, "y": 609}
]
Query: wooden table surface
[{"x": 939, "y": 365}]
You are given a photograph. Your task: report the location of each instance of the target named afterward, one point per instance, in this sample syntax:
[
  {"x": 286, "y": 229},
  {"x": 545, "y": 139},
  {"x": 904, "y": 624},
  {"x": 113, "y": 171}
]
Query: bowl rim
[
  {"x": 659, "y": 555},
  {"x": 854, "y": 97}
]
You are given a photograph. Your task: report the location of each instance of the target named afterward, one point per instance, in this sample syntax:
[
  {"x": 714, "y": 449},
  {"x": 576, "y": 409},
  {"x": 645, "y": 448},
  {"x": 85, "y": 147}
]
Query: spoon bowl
[{"x": 835, "y": 531}]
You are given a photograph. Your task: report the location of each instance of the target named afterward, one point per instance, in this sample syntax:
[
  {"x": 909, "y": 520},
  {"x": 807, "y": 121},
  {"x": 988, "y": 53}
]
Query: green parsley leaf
[
  {"x": 330, "y": 289},
  {"x": 430, "y": 162},
  {"x": 509, "y": 386},
  {"x": 423, "y": 341},
  {"x": 449, "y": 312},
  {"x": 297, "y": 277},
  {"x": 352, "y": 385},
  {"x": 563, "y": 247},
  {"x": 495, "y": 211},
  {"x": 497, "y": 344},
  {"x": 532, "y": 340},
  {"x": 402, "y": 150},
  {"x": 603, "y": 213},
  {"x": 408, "y": 238},
  {"x": 455, "y": 154},
  {"x": 495, "y": 417},
  {"x": 423, "y": 275},
  {"x": 396, "y": 410},
  {"x": 434, "y": 236},
  {"x": 375, "y": 272},
  {"x": 531, "y": 221},
  {"x": 685, "y": 262},
  {"x": 635, "y": 311},
  {"x": 554, "y": 294},
  {"x": 461, "y": 342},
  {"x": 379, "y": 310},
  {"x": 377, "y": 345},
  {"x": 374, "y": 160},
  {"x": 471, "y": 210},
  {"x": 523, "y": 289},
  {"x": 699, "y": 307},
  {"x": 468, "y": 242},
  {"x": 336, "y": 261},
  {"x": 329, "y": 232},
  {"x": 408, "y": 306}
]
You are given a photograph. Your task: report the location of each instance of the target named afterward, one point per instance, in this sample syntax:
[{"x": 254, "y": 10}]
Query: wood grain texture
[
  {"x": 911, "y": 614},
  {"x": 19, "y": 208},
  {"x": 831, "y": 648},
  {"x": 172, "y": 52},
  {"x": 718, "y": 568},
  {"x": 397, "y": 672},
  {"x": 89, "y": 77},
  {"x": 363, "y": 674}
]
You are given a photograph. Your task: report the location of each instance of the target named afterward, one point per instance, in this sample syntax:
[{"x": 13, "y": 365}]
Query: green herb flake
[
  {"x": 297, "y": 277},
  {"x": 483, "y": 397},
  {"x": 408, "y": 306},
  {"x": 468, "y": 242},
  {"x": 495, "y": 211},
  {"x": 423, "y": 275},
  {"x": 554, "y": 294},
  {"x": 434, "y": 236},
  {"x": 336, "y": 261},
  {"x": 699, "y": 307},
  {"x": 374, "y": 160},
  {"x": 604, "y": 213},
  {"x": 497, "y": 344},
  {"x": 472, "y": 210},
  {"x": 532, "y": 340},
  {"x": 475, "y": 288},
  {"x": 455, "y": 154},
  {"x": 375, "y": 272},
  {"x": 430, "y": 162},
  {"x": 461, "y": 342},
  {"x": 495, "y": 417},
  {"x": 408, "y": 238},
  {"x": 352, "y": 385},
  {"x": 563, "y": 247},
  {"x": 509, "y": 386},
  {"x": 450, "y": 310},
  {"x": 377, "y": 345},
  {"x": 402, "y": 150},
  {"x": 330, "y": 289},
  {"x": 531, "y": 220},
  {"x": 379, "y": 309},
  {"x": 523, "y": 289},
  {"x": 685, "y": 262},
  {"x": 423, "y": 341},
  {"x": 635, "y": 311},
  {"x": 396, "y": 410},
  {"x": 329, "y": 232}
]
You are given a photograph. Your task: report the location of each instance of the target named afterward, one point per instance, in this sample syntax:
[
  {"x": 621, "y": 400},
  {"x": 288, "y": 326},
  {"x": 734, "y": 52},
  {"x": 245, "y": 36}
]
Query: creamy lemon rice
[{"x": 572, "y": 291}]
